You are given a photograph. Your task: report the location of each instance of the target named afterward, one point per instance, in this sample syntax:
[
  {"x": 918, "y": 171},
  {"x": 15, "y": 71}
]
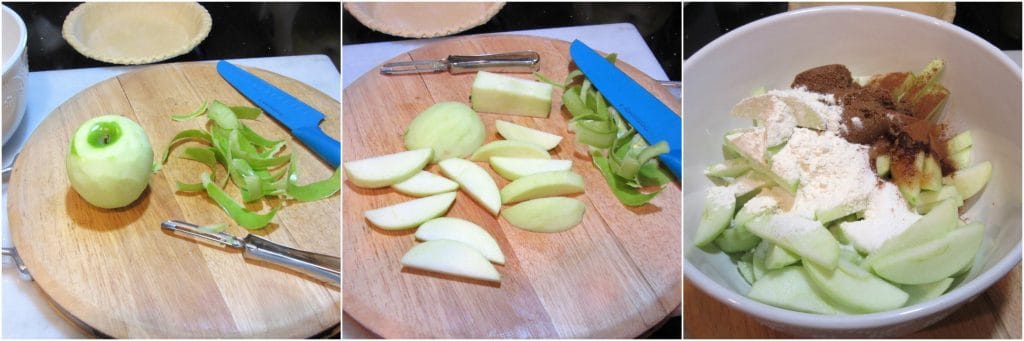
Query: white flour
[
  {"x": 832, "y": 172},
  {"x": 886, "y": 216},
  {"x": 824, "y": 104}
]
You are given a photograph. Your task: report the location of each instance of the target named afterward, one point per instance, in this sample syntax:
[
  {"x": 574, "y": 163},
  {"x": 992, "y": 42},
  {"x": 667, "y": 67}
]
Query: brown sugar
[{"x": 871, "y": 117}]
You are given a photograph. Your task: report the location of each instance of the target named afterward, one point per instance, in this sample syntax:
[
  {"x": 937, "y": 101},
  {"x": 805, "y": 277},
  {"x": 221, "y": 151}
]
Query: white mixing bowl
[
  {"x": 986, "y": 98},
  {"x": 15, "y": 60}
]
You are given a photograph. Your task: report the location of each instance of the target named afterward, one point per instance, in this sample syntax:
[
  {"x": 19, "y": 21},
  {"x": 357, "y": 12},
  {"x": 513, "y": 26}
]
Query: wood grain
[
  {"x": 995, "y": 314},
  {"x": 616, "y": 275},
  {"x": 118, "y": 272}
]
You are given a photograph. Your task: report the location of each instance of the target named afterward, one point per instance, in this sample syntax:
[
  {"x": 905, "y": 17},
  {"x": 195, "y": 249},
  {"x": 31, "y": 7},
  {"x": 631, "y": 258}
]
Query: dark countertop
[
  {"x": 998, "y": 23},
  {"x": 658, "y": 23},
  {"x": 240, "y": 30}
]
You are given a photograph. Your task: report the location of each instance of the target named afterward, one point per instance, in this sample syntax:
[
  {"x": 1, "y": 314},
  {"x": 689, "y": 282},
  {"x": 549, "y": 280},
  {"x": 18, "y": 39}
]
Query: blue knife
[
  {"x": 651, "y": 118},
  {"x": 299, "y": 117}
]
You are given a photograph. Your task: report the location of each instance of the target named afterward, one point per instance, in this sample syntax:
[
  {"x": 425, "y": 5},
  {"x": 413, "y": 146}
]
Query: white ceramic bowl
[
  {"x": 15, "y": 60},
  {"x": 986, "y": 98}
]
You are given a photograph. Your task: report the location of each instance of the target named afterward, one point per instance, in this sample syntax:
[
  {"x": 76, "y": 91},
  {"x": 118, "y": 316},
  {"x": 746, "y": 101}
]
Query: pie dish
[
  {"x": 136, "y": 33},
  {"x": 423, "y": 19}
]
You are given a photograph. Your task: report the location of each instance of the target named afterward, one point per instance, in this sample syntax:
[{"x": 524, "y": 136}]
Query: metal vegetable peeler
[
  {"x": 322, "y": 267},
  {"x": 520, "y": 61}
]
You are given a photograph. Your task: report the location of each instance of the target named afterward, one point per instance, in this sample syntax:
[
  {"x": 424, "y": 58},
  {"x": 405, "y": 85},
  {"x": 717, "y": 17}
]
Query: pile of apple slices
[{"x": 455, "y": 246}]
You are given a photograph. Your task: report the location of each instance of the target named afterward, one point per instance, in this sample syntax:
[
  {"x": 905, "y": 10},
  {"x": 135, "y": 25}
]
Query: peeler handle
[
  {"x": 521, "y": 61},
  {"x": 322, "y": 267}
]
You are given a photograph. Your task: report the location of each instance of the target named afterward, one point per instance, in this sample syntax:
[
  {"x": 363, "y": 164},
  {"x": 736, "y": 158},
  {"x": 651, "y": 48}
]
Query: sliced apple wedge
[
  {"x": 934, "y": 225},
  {"x": 540, "y": 185},
  {"x": 512, "y": 131},
  {"x": 932, "y": 261},
  {"x": 555, "y": 214},
  {"x": 728, "y": 168},
  {"x": 452, "y": 258},
  {"x": 804, "y": 237},
  {"x": 509, "y": 148},
  {"x": 512, "y": 168},
  {"x": 462, "y": 231},
  {"x": 411, "y": 213},
  {"x": 737, "y": 239},
  {"x": 719, "y": 205},
  {"x": 925, "y": 292},
  {"x": 961, "y": 159},
  {"x": 861, "y": 291},
  {"x": 778, "y": 258},
  {"x": 959, "y": 142},
  {"x": 425, "y": 184},
  {"x": 791, "y": 288},
  {"x": 475, "y": 181},
  {"x": 387, "y": 170},
  {"x": 970, "y": 181}
]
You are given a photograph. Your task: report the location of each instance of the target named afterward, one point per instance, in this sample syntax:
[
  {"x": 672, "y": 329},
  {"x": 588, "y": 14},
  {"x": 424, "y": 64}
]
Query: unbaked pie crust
[
  {"x": 423, "y": 19},
  {"x": 136, "y": 33}
]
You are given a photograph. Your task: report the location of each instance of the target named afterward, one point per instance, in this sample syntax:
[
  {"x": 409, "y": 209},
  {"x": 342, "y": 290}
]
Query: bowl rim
[
  {"x": 22, "y": 40},
  {"x": 950, "y": 299}
]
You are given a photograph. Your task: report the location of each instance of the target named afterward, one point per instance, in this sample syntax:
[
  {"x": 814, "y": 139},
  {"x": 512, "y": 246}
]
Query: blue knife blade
[
  {"x": 302, "y": 120},
  {"x": 651, "y": 118}
]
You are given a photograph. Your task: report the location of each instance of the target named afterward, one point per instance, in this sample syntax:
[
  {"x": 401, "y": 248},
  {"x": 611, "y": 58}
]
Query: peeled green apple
[
  {"x": 970, "y": 181},
  {"x": 860, "y": 291},
  {"x": 452, "y": 258},
  {"x": 110, "y": 161},
  {"x": 791, "y": 288},
  {"x": 451, "y": 129},
  {"x": 386, "y": 170}
]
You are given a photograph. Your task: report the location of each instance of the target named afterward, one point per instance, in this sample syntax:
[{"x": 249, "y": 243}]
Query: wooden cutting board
[
  {"x": 616, "y": 275},
  {"x": 118, "y": 272}
]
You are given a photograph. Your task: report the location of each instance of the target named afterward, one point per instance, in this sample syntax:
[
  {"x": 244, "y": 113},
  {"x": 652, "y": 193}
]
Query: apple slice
[
  {"x": 961, "y": 159},
  {"x": 883, "y": 164},
  {"x": 411, "y": 213},
  {"x": 757, "y": 259},
  {"x": 931, "y": 175},
  {"x": 548, "y": 184},
  {"x": 555, "y": 214},
  {"x": 959, "y": 142},
  {"x": 719, "y": 205},
  {"x": 512, "y": 131},
  {"x": 452, "y": 258},
  {"x": 475, "y": 181},
  {"x": 462, "y": 231},
  {"x": 778, "y": 258},
  {"x": 930, "y": 199},
  {"x": 746, "y": 267},
  {"x": 932, "y": 261},
  {"x": 509, "y": 148},
  {"x": 925, "y": 292},
  {"x": 805, "y": 116},
  {"x": 737, "y": 239},
  {"x": 728, "y": 168},
  {"x": 970, "y": 181},
  {"x": 512, "y": 168},
  {"x": 451, "y": 129},
  {"x": 860, "y": 291},
  {"x": 791, "y": 288},
  {"x": 934, "y": 225},
  {"x": 804, "y": 237},
  {"x": 387, "y": 170},
  {"x": 425, "y": 184},
  {"x": 497, "y": 93}
]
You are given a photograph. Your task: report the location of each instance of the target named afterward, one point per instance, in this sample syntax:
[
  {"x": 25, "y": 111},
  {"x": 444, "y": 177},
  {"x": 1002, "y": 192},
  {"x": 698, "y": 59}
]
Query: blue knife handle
[
  {"x": 325, "y": 146},
  {"x": 673, "y": 162}
]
